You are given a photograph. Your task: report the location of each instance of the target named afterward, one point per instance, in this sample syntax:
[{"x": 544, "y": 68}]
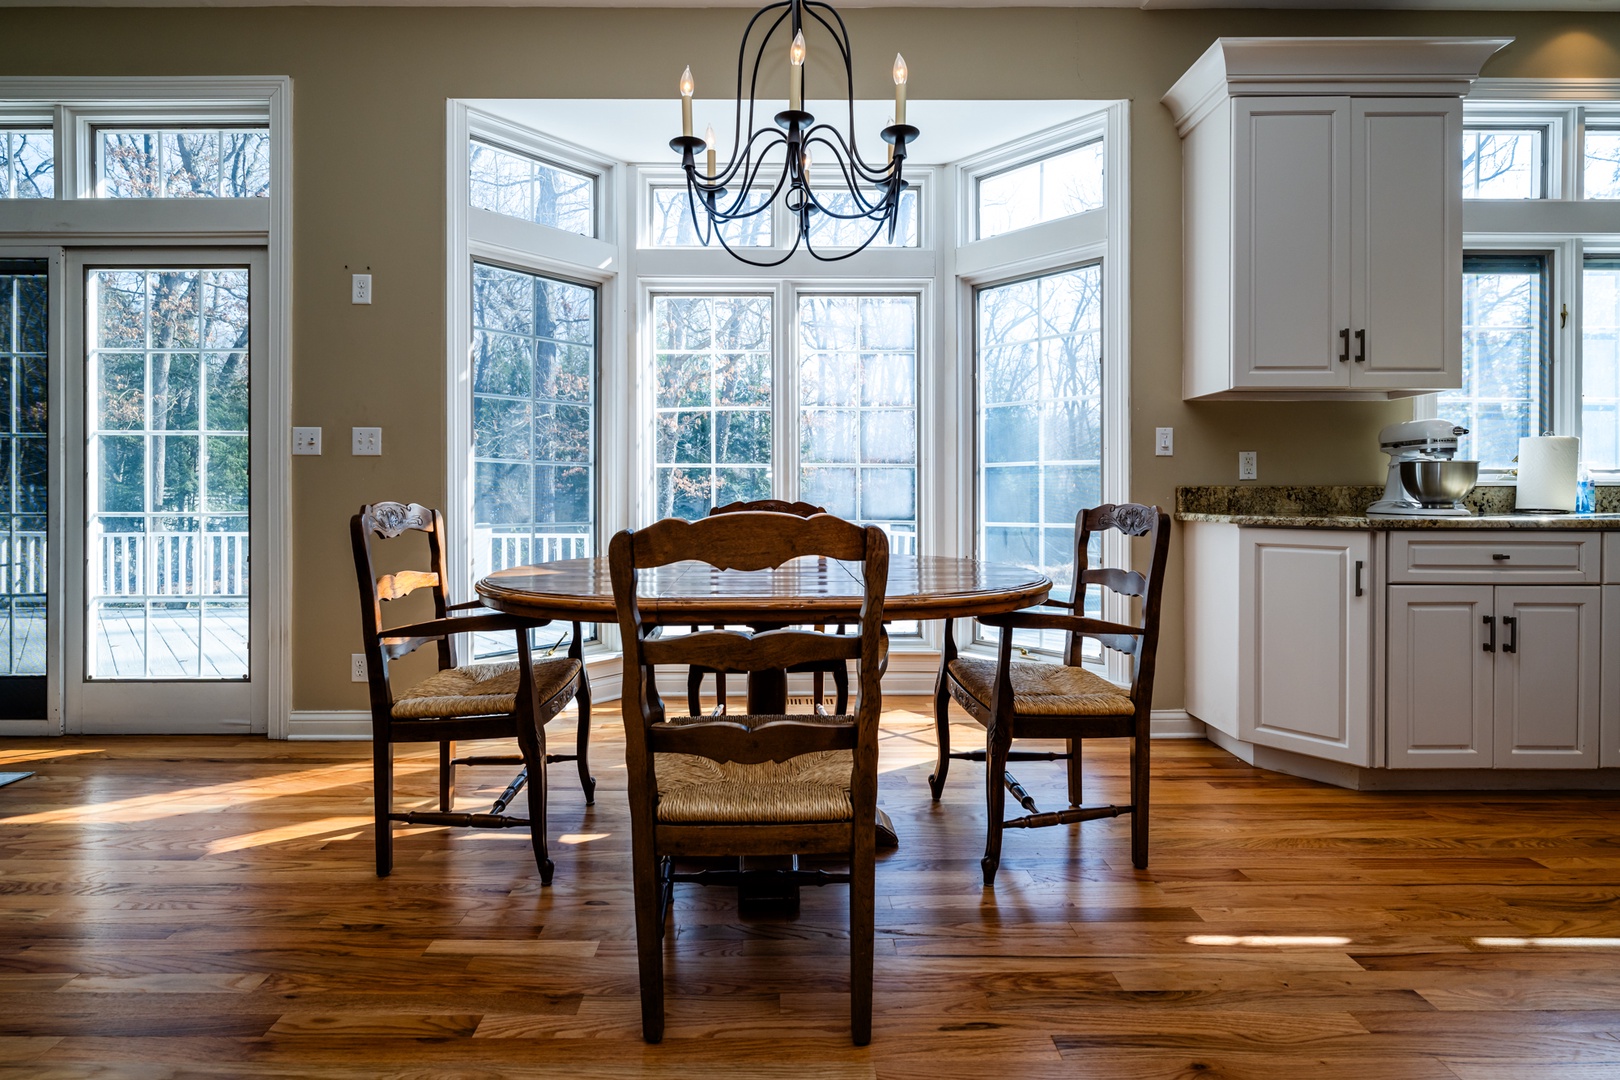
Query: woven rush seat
[
  {"x": 811, "y": 787},
  {"x": 1044, "y": 689},
  {"x": 480, "y": 689}
]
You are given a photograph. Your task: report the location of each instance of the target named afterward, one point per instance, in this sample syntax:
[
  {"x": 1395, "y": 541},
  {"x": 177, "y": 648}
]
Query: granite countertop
[{"x": 1344, "y": 507}]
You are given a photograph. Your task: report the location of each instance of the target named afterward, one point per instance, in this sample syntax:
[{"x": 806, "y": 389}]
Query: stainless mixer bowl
[{"x": 1439, "y": 483}]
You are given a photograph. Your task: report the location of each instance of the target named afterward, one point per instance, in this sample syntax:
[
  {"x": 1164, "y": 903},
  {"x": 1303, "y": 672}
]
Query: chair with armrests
[
  {"x": 804, "y": 784},
  {"x": 472, "y": 701},
  {"x": 1017, "y": 699},
  {"x": 839, "y": 673}
]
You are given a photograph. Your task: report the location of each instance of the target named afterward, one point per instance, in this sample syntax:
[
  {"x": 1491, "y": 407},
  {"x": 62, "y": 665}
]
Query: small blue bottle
[{"x": 1585, "y": 492}]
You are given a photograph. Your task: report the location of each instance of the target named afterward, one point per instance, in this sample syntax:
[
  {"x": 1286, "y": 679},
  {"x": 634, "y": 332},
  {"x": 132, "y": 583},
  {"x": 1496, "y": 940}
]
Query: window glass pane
[
  {"x": 1600, "y": 360},
  {"x": 183, "y": 163},
  {"x": 712, "y": 402},
  {"x": 672, "y": 225},
  {"x": 23, "y": 463},
  {"x": 830, "y": 231},
  {"x": 1067, "y": 183},
  {"x": 533, "y": 426},
  {"x": 1602, "y": 179},
  {"x": 1503, "y": 163},
  {"x": 1040, "y": 422},
  {"x": 524, "y": 187},
  {"x": 27, "y": 163},
  {"x": 1506, "y": 390},
  {"x": 167, "y": 534},
  {"x": 858, "y": 412}
]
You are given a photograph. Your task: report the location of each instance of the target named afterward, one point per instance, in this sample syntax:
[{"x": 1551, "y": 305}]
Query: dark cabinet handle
[
  {"x": 1512, "y": 625},
  {"x": 1361, "y": 346},
  {"x": 1344, "y": 339},
  {"x": 1490, "y": 646},
  {"x": 1360, "y": 566},
  {"x": 1500, "y": 557}
]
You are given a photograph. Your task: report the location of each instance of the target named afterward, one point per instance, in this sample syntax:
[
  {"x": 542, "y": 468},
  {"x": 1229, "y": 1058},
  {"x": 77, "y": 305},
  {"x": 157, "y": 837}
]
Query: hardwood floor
[{"x": 207, "y": 907}]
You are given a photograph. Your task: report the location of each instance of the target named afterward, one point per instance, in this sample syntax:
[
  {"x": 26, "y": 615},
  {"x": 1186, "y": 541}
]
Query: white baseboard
[
  {"x": 317, "y": 725},
  {"x": 19, "y": 729},
  {"x": 1176, "y": 724}
]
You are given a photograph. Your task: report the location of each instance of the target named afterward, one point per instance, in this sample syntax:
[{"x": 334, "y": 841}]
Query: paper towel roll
[{"x": 1547, "y": 466}]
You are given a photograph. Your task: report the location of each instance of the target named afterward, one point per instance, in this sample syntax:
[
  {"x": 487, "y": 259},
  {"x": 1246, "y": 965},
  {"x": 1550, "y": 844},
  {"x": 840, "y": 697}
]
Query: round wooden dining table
[{"x": 807, "y": 590}]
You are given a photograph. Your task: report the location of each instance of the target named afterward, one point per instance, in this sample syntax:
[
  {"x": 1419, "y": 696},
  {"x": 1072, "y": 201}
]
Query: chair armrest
[
  {"x": 1038, "y": 619},
  {"x": 461, "y": 624}
]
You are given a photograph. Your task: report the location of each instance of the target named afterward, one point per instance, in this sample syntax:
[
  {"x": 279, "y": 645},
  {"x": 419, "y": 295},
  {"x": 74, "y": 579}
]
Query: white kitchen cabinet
[
  {"x": 1323, "y": 216},
  {"x": 1494, "y": 676},
  {"x": 1609, "y": 708},
  {"x": 1305, "y": 627}
]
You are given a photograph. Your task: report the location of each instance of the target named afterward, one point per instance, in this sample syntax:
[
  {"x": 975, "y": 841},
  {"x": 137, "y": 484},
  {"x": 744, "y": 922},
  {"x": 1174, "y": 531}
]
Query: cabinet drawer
[{"x": 1549, "y": 558}]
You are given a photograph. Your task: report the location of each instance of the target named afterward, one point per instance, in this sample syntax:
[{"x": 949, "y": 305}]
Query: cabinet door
[
  {"x": 1609, "y": 720},
  {"x": 1305, "y": 608},
  {"x": 1290, "y": 236},
  {"x": 1441, "y": 647},
  {"x": 1406, "y": 243},
  {"x": 1547, "y": 677}
]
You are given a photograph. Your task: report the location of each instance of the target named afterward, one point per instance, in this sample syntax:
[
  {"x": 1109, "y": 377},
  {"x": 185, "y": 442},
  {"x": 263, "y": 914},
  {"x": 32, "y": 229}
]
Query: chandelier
[{"x": 868, "y": 193}]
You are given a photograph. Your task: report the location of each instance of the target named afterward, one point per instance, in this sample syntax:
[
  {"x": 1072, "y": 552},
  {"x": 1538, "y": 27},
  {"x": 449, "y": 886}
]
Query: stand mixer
[{"x": 1438, "y": 488}]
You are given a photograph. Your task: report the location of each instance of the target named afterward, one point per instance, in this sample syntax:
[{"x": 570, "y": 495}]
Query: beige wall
[{"x": 370, "y": 86}]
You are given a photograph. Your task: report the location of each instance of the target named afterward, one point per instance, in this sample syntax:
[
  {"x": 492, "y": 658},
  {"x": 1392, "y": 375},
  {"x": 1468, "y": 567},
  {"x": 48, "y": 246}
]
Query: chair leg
[
  {"x": 998, "y": 741},
  {"x": 382, "y": 786},
  {"x": 862, "y": 928},
  {"x": 447, "y": 775},
  {"x": 1140, "y": 772},
  {"x": 1075, "y": 796},
  {"x": 942, "y": 739},
  {"x": 840, "y": 687},
  {"x": 532, "y": 741},
  {"x": 582, "y": 739},
  {"x": 649, "y": 944}
]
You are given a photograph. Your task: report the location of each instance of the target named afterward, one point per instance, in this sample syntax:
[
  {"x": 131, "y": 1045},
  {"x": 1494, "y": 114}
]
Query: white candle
[
  {"x": 900, "y": 75},
  {"x": 708, "y": 137},
  {"x": 687, "y": 87},
  {"x": 796, "y": 72}
]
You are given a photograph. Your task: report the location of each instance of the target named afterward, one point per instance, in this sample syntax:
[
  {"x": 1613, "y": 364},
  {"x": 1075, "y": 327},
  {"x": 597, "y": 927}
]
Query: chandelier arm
[
  {"x": 873, "y": 210},
  {"x": 847, "y": 254},
  {"x": 841, "y": 37},
  {"x": 735, "y": 208},
  {"x": 821, "y": 132},
  {"x": 759, "y": 57},
  {"x": 735, "y": 254}
]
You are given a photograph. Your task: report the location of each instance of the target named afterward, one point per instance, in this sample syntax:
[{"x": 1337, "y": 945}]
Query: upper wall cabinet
[{"x": 1322, "y": 183}]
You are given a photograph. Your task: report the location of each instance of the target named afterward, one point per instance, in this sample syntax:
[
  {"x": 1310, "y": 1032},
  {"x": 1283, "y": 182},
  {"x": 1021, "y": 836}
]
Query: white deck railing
[
  {"x": 170, "y": 564},
  {"x": 494, "y": 551}
]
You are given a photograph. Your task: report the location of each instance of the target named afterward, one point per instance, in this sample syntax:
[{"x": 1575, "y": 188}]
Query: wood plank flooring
[{"x": 207, "y": 907}]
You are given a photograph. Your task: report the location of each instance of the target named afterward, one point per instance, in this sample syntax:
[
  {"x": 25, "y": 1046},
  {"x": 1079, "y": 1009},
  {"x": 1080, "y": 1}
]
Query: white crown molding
[{"x": 1545, "y": 90}]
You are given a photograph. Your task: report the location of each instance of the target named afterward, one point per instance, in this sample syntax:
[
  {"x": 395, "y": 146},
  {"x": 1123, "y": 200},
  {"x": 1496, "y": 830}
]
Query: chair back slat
[
  {"x": 405, "y": 582},
  {"x": 1123, "y": 582},
  {"x": 724, "y": 740},
  {"x": 747, "y": 540},
  {"x": 1131, "y": 520},
  {"x": 737, "y": 650},
  {"x": 774, "y": 506}
]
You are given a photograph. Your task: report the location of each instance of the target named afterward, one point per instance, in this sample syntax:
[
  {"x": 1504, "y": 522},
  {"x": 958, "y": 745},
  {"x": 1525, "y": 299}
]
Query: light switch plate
[
  {"x": 1164, "y": 442},
  {"x": 1248, "y": 465},
  {"x": 306, "y": 440},
  {"x": 367, "y": 442}
]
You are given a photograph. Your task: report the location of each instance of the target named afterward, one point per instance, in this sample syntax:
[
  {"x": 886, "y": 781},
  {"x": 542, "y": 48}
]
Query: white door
[
  {"x": 166, "y": 425},
  {"x": 1307, "y": 607},
  {"x": 1406, "y": 242},
  {"x": 1443, "y": 641},
  {"x": 1291, "y": 253},
  {"x": 1547, "y": 681}
]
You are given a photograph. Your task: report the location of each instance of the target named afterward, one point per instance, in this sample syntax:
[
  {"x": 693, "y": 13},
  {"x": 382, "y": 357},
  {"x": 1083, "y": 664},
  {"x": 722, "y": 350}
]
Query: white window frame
[
  {"x": 1049, "y": 247},
  {"x": 1563, "y": 224},
  {"x": 72, "y": 220}
]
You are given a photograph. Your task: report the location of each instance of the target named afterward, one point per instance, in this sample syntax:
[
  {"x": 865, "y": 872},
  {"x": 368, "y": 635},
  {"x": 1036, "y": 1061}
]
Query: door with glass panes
[
  {"x": 24, "y": 492},
  {"x": 164, "y": 631}
]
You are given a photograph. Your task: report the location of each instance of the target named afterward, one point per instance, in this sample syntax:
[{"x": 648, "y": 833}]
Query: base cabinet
[
  {"x": 1609, "y": 720},
  {"x": 1504, "y": 676},
  {"x": 1305, "y": 628}
]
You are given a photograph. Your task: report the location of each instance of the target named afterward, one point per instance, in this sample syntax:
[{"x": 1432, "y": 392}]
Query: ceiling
[{"x": 639, "y": 130}]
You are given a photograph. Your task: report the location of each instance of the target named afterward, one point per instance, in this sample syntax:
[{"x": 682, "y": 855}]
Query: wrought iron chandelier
[{"x": 873, "y": 193}]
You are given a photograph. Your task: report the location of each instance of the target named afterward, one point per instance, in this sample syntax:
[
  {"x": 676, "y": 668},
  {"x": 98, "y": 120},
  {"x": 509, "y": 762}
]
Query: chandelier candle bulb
[
  {"x": 708, "y": 137},
  {"x": 900, "y": 75},
  {"x": 796, "y": 72},
  {"x": 687, "y": 89}
]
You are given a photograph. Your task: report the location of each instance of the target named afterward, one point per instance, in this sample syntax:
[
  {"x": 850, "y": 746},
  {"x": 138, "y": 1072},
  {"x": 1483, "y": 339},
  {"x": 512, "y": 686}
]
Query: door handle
[
  {"x": 1361, "y": 346},
  {"x": 1490, "y": 646},
  {"x": 1512, "y": 624},
  {"x": 1360, "y": 566},
  {"x": 1344, "y": 340}
]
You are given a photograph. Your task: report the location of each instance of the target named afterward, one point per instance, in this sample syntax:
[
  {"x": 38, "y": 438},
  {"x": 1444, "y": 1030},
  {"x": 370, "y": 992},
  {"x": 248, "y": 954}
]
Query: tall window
[
  {"x": 1507, "y": 370},
  {"x": 533, "y": 418},
  {"x": 23, "y": 461},
  {"x": 1600, "y": 352}
]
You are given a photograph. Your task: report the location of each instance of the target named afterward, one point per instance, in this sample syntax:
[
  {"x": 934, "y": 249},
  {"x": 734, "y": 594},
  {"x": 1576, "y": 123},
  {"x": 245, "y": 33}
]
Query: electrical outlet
[
  {"x": 360, "y": 289},
  {"x": 357, "y": 667},
  {"x": 367, "y": 442},
  {"x": 1248, "y": 465},
  {"x": 306, "y": 440},
  {"x": 1164, "y": 442}
]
